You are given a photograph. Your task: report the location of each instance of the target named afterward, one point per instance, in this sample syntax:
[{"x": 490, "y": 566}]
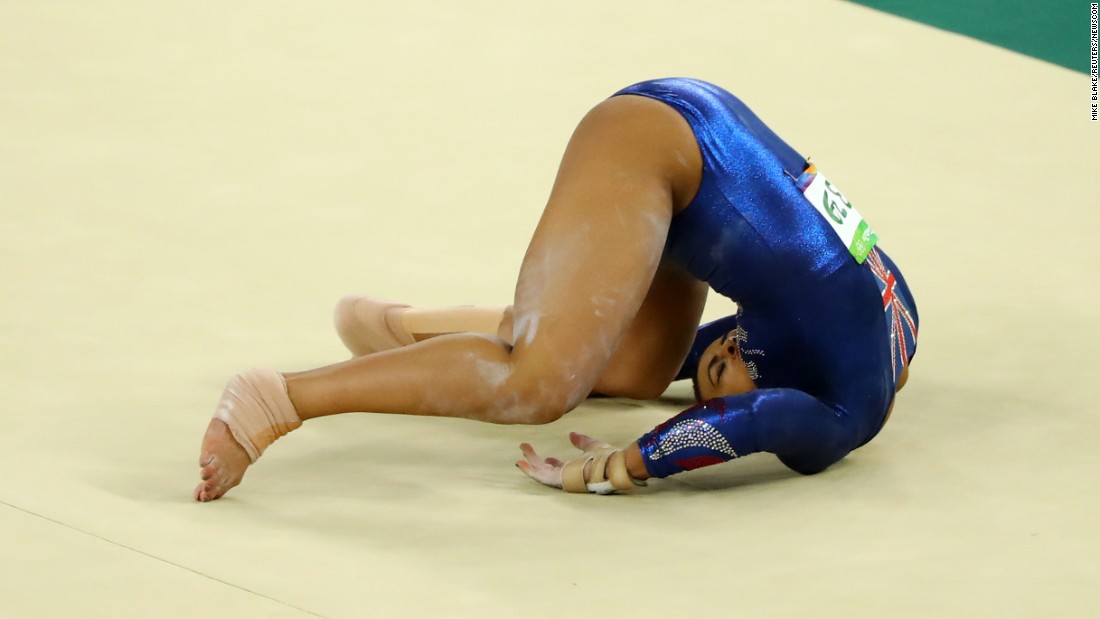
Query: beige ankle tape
[
  {"x": 368, "y": 325},
  {"x": 455, "y": 319},
  {"x": 257, "y": 409},
  {"x": 608, "y": 474}
]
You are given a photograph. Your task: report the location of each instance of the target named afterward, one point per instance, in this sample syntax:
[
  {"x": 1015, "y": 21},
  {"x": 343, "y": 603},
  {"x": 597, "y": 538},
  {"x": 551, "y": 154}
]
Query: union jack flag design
[{"x": 899, "y": 316}]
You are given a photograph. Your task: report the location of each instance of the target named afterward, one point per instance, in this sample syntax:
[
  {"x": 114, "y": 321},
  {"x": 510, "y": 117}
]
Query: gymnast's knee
[{"x": 537, "y": 401}]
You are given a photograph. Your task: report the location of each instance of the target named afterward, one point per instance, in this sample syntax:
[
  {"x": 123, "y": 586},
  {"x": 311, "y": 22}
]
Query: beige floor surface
[{"x": 187, "y": 188}]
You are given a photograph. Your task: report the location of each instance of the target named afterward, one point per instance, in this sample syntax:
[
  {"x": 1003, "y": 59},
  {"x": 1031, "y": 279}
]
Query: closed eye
[{"x": 721, "y": 369}]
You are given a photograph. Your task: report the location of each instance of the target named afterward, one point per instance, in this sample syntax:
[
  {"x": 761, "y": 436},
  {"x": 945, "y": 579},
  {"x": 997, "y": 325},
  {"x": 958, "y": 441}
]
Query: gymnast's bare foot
[{"x": 223, "y": 462}]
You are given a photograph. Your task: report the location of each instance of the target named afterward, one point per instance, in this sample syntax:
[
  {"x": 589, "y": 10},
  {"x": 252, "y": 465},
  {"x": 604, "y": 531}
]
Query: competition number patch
[{"x": 845, "y": 220}]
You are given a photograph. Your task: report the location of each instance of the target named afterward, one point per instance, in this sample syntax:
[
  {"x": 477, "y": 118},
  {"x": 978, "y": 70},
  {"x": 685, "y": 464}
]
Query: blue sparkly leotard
[{"x": 824, "y": 336}]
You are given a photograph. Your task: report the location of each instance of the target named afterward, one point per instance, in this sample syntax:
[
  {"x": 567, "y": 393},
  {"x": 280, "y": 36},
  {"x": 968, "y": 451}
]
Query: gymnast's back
[{"x": 822, "y": 309}]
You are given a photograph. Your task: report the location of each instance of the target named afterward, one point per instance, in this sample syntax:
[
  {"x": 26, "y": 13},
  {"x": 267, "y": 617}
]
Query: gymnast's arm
[{"x": 805, "y": 434}]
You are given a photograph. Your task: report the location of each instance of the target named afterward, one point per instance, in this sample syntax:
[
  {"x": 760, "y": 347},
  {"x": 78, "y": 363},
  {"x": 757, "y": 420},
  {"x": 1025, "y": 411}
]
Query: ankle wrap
[
  {"x": 368, "y": 325},
  {"x": 257, "y": 409}
]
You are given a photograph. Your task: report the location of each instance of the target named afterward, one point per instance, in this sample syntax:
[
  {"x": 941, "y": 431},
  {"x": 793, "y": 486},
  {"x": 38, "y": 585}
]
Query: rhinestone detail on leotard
[{"x": 692, "y": 433}]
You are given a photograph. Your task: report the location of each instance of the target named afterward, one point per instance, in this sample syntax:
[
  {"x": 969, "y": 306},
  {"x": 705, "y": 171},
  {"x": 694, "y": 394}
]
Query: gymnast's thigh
[{"x": 659, "y": 337}]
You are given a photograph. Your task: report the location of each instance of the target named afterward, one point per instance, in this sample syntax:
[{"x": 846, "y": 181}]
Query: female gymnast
[{"x": 666, "y": 188}]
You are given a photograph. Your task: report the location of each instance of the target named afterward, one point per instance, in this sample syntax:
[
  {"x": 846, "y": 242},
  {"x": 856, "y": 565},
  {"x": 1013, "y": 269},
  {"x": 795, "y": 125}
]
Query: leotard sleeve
[
  {"x": 807, "y": 435},
  {"x": 704, "y": 336}
]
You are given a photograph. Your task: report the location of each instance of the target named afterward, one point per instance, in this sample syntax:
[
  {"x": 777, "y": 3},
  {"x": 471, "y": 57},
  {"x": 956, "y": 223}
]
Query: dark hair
[{"x": 695, "y": 387}]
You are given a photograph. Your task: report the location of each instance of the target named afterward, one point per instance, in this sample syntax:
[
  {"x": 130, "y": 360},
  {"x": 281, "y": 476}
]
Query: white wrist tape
[{"x": 607, "y": 476}]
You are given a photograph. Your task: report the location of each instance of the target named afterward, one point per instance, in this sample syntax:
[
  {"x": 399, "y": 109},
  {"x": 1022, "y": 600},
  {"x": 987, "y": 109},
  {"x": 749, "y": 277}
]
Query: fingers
[
  {"x": 546, "y": 475},
  {"x": 547, "y": 472},
  {"x": 584, "y": 442},
  {"x": 529, "y": 452}
]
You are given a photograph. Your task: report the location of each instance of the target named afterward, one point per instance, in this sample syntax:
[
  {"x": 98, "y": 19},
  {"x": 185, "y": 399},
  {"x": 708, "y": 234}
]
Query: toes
[
  {"x": 204, "y": 492},
  {"x": 222, "y": 462},
  {"x": 208, "y": 492}
]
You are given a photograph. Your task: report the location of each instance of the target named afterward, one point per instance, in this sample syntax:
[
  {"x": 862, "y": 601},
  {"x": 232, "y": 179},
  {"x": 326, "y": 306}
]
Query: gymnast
[{"x": 665, "y": 189}]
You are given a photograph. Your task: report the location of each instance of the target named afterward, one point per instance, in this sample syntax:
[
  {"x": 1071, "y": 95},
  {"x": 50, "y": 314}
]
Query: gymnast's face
[{"x": 721, "y": 370}]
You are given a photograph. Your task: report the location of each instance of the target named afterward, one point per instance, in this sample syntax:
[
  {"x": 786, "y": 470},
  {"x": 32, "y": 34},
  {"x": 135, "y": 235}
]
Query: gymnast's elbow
[{"x": 812, "y": 464}]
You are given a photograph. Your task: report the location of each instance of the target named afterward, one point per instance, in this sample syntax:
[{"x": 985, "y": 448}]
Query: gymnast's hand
[
  {"x": 548, "y": 471},
  {"x": 601, "y": 469}
]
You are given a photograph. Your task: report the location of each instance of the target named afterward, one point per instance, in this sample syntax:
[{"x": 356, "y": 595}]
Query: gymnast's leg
[
  {"x": 644, "y": 363},
  {"x": 367, "y": 325},
  {"x": 630, "y": 164}
]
